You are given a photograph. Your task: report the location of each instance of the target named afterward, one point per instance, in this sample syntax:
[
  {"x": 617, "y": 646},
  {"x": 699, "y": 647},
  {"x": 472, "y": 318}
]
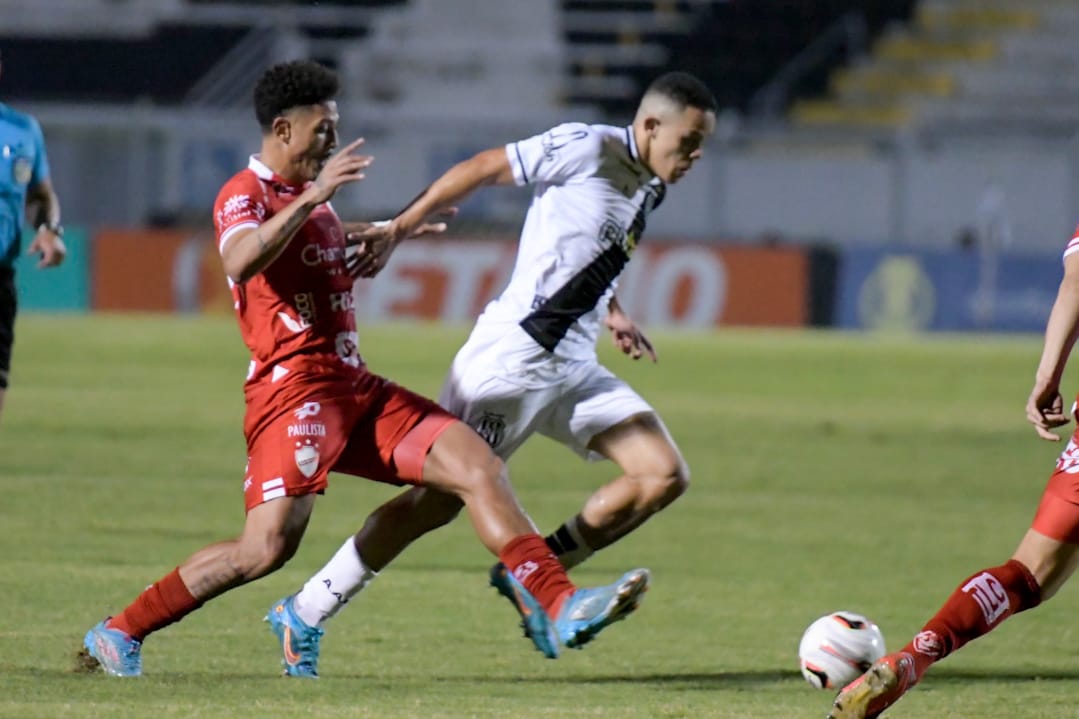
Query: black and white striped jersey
[{"x": 590, "y": 198}]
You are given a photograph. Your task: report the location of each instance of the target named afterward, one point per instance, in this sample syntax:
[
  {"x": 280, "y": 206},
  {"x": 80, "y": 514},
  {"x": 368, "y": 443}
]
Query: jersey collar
[
  {"x": 256, "y": 165},
  {"x": 634, "y": 153},
  {"x": 631, "y": 145}
]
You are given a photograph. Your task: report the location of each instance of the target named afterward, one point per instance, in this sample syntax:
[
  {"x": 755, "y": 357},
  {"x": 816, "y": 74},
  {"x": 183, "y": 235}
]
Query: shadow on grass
[
  {"x": 989, "y": 675},
  {"x": 681, "y": 680},
  {"x": 684, "y": 680}
]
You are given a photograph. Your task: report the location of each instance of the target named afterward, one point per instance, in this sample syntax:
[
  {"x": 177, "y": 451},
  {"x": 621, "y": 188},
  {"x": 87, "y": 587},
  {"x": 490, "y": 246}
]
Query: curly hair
[
  {"x": 685, "y": 90},
  {"x": 292, "y": 84}
]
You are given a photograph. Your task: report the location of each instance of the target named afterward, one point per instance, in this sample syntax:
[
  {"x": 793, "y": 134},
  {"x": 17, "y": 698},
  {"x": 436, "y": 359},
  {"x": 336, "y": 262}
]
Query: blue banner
[
  {"x": 56, "y": 289},
  {"x": 956, "y": 290}
]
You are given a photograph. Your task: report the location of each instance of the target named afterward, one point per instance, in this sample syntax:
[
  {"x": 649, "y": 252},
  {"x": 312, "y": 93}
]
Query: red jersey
[
  {"x": 296, "y": 316},
  {"x": 1072, "y": 246}
]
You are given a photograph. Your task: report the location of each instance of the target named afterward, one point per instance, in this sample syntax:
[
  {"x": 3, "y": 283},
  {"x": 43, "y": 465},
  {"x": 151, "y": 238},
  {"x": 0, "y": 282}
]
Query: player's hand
[
  {"x": 342, "y": 168},
  {"x": 1045, "y": 409},
  {"x": 628, "y": 337},
  {"x": 369, "y": 245},
  {"x": 50, "y": 246}
]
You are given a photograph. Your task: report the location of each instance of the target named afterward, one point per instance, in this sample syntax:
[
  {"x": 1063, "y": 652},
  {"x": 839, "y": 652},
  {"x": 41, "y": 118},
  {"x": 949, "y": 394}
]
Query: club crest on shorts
[
  {"x": 307, "y": 457},
  {"x": 491, "y": 426}
]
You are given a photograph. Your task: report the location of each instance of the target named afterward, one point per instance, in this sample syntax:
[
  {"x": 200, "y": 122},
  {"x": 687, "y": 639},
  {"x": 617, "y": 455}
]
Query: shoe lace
[{"x": 306, "y": 644}]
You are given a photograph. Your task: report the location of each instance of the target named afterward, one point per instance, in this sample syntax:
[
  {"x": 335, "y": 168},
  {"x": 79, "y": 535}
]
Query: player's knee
[
  {"x": 482, "y": 472},
  {"x": 665, "y": 484},
  {"x": 260, "y": 557},
  {"x": 679, "y": 480}
]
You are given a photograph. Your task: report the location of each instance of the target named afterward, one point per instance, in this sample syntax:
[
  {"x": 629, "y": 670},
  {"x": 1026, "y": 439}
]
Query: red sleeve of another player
[
  {"x": 240, "y": 204},
  {"x": 1073, "y": 246}
]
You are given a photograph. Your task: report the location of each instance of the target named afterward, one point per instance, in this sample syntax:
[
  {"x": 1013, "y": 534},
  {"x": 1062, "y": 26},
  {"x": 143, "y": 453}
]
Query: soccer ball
[{"x": 839, "y": 647}]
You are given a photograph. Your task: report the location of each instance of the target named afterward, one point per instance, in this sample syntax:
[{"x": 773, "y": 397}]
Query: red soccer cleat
[{"x": 870, "y": 694}]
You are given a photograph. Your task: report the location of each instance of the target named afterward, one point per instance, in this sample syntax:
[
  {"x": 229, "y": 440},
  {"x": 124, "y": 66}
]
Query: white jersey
[{"x": 591, "y": 195}]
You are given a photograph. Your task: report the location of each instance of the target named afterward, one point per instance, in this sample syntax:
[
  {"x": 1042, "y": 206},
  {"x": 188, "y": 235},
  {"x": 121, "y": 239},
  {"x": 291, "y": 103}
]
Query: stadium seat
[{"x": 981, "y": 62}]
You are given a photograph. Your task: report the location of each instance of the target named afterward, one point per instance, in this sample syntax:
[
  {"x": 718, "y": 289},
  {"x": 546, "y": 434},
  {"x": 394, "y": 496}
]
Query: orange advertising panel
[
  {"x": 693, "y": 285},
  {"x": 767, "y": 286},
  {"x": 683, "y": 285},
  {"x": 151, "y": 270}
]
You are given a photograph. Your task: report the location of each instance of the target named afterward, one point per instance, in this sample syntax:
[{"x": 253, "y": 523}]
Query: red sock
[
  {"x": 535, "y": 566},
  {"x": 978, "y": 605},
  {"x": 162, "y": 604}
]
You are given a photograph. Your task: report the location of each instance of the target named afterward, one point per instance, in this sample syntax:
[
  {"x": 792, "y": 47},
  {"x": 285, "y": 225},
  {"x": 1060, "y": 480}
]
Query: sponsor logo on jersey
[
  {"x": 552, "y": 142},
  {"x": 492, "y": 427},
  {"x": 989, "y": 593},
  {"x": 309, "y": 409},
  {"x": 348, "y": 348},
  {"x": 305, "y": 307},
  {"x": 240, "y": 206},
  {"x": 306, "y": 454},
  {"x": 314, "y": 255},
  {"x": 307, "y": 429},
  {"x": 294, "y": 325},
  {"x": 612, "y": 233},
  {"x": 342, "y": 301}
]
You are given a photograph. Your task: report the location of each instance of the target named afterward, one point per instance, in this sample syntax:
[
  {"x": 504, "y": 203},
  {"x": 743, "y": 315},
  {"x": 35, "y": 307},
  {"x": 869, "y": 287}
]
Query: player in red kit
[
  {"x": 313, "y": 407},
  {"x": 1044, "y": 560}
]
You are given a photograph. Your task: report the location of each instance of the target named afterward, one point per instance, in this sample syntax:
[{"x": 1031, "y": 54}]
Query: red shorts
[
  {"x": 369, "y": 427},
  {"x": 1058, "y": 513}
]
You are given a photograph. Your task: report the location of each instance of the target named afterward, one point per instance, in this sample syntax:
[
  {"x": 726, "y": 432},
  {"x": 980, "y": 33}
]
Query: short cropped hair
[
  {"x": 292, "y": 84},
  {"x": 685, "y": 90}
]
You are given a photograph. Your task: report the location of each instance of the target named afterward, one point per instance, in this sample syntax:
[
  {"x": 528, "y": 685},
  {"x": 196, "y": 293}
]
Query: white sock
[
  {"x": 568, "y": 545},
  {"x": 330, "y": 589}
]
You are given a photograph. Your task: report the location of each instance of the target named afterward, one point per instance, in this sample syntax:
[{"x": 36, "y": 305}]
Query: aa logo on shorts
[
  {"x": 491, "y": 427},
  {"x": 307, "y": 457}
]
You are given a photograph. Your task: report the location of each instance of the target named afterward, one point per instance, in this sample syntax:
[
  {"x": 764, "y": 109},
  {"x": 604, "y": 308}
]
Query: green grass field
[{"x": 830, "y": 472}]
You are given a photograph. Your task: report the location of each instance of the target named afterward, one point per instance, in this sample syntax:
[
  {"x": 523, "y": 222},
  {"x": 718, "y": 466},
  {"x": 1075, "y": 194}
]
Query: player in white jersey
[{"x": 530, "y": 364}]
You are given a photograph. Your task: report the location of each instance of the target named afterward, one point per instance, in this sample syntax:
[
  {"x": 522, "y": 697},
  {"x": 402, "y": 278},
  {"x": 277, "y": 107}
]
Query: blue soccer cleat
[
  {"x": 299, "y": 642},
  {"x": 537, "y": 625},
  {"x": 586, "y": 612},
  {"x": 111, "y": 650}
]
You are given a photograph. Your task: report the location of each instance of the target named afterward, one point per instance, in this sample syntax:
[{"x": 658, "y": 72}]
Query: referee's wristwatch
[{"x": 57, "y": 229}]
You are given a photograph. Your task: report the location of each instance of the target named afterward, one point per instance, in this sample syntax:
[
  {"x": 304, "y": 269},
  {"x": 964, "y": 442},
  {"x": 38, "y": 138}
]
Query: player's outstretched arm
[
  {"x": 251, "y": 251},
  {"x": 1045, "y": 406},
  {"x": 490, "y": 167},
  {"x": 370, "y": 244}
]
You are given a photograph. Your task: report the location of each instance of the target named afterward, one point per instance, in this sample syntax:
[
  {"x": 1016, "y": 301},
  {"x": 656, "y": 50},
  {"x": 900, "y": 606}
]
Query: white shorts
[{"x": 505, "y": 409}]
